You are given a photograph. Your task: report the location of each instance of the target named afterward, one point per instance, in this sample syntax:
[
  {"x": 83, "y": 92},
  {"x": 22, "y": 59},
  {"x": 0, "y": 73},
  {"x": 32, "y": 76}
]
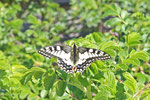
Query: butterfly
[{"x": 73, "y": 59}]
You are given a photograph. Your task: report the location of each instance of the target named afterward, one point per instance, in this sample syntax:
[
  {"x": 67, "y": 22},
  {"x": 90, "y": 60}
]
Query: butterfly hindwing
[{"x": 64, "y": 66}]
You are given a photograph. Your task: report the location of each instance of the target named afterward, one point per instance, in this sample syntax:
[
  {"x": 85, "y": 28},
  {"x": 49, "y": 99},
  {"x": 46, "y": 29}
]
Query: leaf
[
  {"x": 83, "y": 81},
  {"x": 100, "y": 65},
  {"x": 124, "y": 14},
  {"x": 75, "y": 82},
  {"x": 102, "y": 95},
  {"x": 26, "y": 77},
  {"x": 60, "y": 88},
  {"x": 140, "y": 55},
  {"x": 25, "y": 92},
  {"x": 93, "y": 68},
  {"x": 120, "y": 95},
  {"x": 19, "y": 68},
  {"x": 32, "y": 97},
  {"x": 49, "y": 81},
  {"x": 141, "y": 78},
  {"x": 107, "y": 45},
  {"x": 110, "y": 82},
  {"x": 113, "y": 21},
  {"x": 134, "y": 39},
  {"x": 33, "y": 71},
  {"x": 109, "y": 11},
  {"x": 130, "y": 83},
  {"x": 96, "y": 37},
  {"x": 37, "y": 69},
  {"x": 111, "y": 52},
  {"x": 123, "y": 66},
  {"x": 132, "y": 61}
]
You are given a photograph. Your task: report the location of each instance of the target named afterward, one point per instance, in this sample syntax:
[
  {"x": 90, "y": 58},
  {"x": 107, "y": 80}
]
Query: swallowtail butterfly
[{"x": 73, "y": 59}]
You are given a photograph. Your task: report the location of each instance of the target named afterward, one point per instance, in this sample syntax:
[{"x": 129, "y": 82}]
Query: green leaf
[
  {"x": 75, "y": 82},
  {"x": 26, "y": 77},
  {"x": 49, "y": 81},
  {"x": 24, "y": 93},
  {"x": 110, "y": 82},
  {"x": 111, "y": 52},
  {"x": 140, "y": 55},
  {"x": 107, "y": 45},
  {"x": 130, "y": 83},
  {"x": 96, "y": 37},
  {"x": 100, "y": 65},
  {"x": 83, "y": 80},
  {"x": 102, "y": 95},
  {"x": 123, "y": 66},
  {"x": 109, "y": 11},
  {"x": 113, "y": 21},
  {"x": 124, "y": 14},
  {"x": 93, "y": 68},
  {"x": 141, "y": 78},
  {"x": 132, "y": 61},
  {"x": 19, "y": 68},
  {"x": 134, "y": 39},
  {"x": 60, "y": 88},
  {"x": 32, "y": 97},
  {"x": 120, "y": 95},
  {"x": 37, "y": 69}
]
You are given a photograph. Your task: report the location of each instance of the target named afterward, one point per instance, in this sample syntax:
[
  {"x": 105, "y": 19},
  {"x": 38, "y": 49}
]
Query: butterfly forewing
[{"x": 61, "y": 52}]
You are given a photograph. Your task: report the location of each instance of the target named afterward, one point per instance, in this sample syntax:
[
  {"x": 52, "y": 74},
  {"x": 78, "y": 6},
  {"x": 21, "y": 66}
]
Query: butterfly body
[{"x": 73, "y": 59}]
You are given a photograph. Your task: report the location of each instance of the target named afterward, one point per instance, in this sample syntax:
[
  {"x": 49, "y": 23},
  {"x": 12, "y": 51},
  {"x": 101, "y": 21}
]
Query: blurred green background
[{"x": 119, "y": 27}]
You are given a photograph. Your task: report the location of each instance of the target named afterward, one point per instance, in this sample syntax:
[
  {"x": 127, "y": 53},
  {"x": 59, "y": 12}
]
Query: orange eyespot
[{"x": 74, "y": 68}]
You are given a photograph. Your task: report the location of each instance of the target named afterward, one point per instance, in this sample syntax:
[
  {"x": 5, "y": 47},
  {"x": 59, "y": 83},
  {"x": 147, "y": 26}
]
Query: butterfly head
[{"x": 74, "y": 45}]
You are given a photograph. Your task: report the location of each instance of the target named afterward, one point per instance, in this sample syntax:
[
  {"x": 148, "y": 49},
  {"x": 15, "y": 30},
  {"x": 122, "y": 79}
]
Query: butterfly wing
[
  {"x": 56, "y": 51},
  {"x": 89, "y": 55},
  {"x": 65, "y": 66},
  {"x": 62, "y": 53}
]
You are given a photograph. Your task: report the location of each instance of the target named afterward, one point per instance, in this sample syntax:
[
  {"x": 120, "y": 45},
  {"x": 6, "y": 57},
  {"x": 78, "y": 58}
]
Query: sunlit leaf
[{"x": 130, "y": 83}]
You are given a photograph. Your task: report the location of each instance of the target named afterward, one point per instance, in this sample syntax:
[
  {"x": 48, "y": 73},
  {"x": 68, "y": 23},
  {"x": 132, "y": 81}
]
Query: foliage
[{"x": 29, "y": 25}]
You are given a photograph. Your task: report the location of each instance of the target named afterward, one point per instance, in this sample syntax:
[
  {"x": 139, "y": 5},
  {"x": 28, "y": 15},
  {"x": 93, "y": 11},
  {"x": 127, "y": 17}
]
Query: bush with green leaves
[{"x": 24, "y": 74}]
